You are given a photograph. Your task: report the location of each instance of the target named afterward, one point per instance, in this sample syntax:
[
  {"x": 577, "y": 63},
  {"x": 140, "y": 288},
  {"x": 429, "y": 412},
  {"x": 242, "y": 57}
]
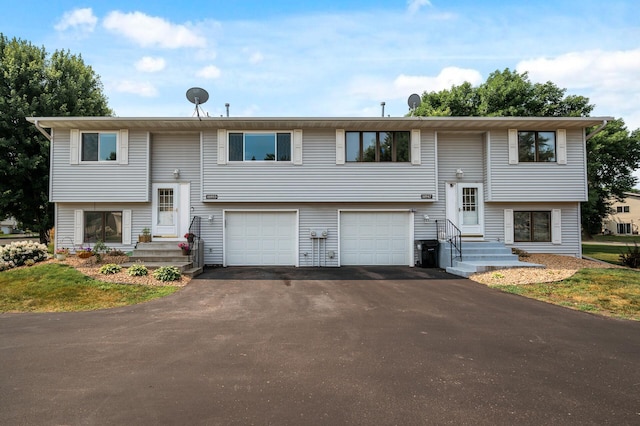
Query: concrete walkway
[{"x": 325, "y": 352}]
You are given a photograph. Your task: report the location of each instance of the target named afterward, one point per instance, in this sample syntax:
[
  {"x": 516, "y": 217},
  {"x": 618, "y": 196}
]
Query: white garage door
[
  {"x": 260, "y": 238},
  {"x": 374, "y": 238}
]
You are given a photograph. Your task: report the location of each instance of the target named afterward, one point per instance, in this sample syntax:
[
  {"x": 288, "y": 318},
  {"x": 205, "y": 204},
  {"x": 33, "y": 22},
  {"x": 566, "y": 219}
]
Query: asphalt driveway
[{"x": 305, "y": 352}]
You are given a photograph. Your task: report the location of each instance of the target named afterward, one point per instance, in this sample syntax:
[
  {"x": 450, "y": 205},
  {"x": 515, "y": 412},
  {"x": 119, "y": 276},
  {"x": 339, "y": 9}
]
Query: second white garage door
[
  {"x": 260, "y": 238},
  {"x": 375, "y": 238}
]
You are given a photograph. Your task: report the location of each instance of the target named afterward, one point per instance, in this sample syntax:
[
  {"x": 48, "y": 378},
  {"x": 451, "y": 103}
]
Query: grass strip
[
  {"x": 610, "y": 292},
  {"x": 61, "y": 288}
]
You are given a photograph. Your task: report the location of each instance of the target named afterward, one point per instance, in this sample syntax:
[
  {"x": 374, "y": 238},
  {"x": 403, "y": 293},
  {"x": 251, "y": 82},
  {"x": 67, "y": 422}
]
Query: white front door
[
  {"x": 170, "y": 210},
  {"x": 465, "y": 208}
]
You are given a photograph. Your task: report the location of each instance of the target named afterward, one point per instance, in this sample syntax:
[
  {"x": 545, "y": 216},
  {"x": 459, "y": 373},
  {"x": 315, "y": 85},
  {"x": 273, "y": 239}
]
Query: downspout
[
  {"x": 42, "y": 130},
  {"x": 596, "y": 131}
]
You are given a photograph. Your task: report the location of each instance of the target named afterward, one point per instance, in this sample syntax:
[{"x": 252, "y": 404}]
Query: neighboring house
[
  {"x": 8, "y": 225},
  {"x": 625, "y": 218},
  {"x": 319, "y": 191}
]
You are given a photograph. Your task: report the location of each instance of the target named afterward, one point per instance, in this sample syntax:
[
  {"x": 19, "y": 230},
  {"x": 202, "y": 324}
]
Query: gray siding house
[{"x": 319, "y": 191}]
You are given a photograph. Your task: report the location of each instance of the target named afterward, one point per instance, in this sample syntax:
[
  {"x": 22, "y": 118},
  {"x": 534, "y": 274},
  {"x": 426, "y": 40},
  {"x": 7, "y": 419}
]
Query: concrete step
[
  {"x": 164, "y": 245},
  {"x": 159, "y": 257},
  {"x": 467, "y": 268}
]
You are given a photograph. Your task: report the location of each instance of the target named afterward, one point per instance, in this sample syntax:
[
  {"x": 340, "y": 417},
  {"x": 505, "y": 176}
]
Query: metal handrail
[{"x": 452, "y": 234}]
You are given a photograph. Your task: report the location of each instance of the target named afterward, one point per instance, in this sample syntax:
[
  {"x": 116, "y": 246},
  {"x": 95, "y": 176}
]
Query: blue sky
[{"x": 336, "y": 58}]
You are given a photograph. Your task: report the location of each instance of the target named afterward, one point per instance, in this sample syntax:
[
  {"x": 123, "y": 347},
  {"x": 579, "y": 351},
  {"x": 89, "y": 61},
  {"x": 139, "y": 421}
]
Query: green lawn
[
  {"x": 616, "y": 238},
  {"x": 610, "y": 292},
  {"x": 605, "y": 252},
  {"x": 61, "y": 288}
]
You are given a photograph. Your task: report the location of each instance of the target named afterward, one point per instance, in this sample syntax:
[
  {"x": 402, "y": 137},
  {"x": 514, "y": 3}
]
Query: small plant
[
  {"x": 29, "y": 262},
  {"x": 116, "y": 252},
  {"x": 497, "y": 275},
  {"x": 64, "y": 251},
  {"x": 145, "y": 237},
  {"x": 84, "y": 252},
  {"x": 521, "y": 253},
  {"x": 167, "y": 273},
  {"x": 137, "y": 270},
  {"x": 632, "y": 257},
  {"x": 189, "y": 236},
  {"x": 110, "y": 268},
  {"x": 184, "y": 246}
]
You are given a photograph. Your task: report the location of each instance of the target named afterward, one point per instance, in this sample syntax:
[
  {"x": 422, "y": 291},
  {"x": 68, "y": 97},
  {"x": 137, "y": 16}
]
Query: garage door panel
[
  {"x": 374, "y": 238},
  {"x": 260, "y": 238}
]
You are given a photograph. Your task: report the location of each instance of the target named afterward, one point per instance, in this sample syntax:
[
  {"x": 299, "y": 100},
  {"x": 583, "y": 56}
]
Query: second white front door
[
  {"x": 170, "y": 213},
  {"x": 465, "y": 208}
]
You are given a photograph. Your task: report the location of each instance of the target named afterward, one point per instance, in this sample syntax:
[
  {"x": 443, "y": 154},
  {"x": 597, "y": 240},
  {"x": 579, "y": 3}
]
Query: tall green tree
[
  {"x": 32, "y": 83},
  {"x": 612, "y": 155}
]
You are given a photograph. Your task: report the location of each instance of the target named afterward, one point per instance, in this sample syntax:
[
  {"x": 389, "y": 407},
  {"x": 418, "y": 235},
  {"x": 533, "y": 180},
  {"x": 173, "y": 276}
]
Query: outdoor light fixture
[
  {"x": 210, "y": 218},
  {"x": 426, "y": 218},
  {"x": 459, "y": 174},
  {"x": 176, "y": 173}
]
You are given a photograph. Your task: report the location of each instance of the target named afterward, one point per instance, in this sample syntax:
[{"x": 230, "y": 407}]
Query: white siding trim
[
  {"x": 123, "y": 156},
  {"x": 513, "y": 146},
  {"x": 556, "y": 226},
  {"x": 78, "y": 226},
  {"x": 340, "y": 142},
  {"x": 562, "y": 146},
  {"x": 415, "y": 147},
  {"x": 222, "y": 146},
  {"x": 508, "y": 226},
  {"x": 74, "y": 152},
  {"x": 297, "y": 147},
  {"x": 487, "y": 145},
  {"x": 126, "y": 226}
]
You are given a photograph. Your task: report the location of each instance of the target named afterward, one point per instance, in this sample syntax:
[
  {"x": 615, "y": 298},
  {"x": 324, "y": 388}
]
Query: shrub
[
  {"x": 29, "y": 262},
  {"x": 632, "y": 257},
  {"x": 17, "y": 253},
  {"x": 116, "y": 252},
  {"x": 110, "y": 268},
  {"x": 167, "y": 273},
  {"x": 137, "y": 270}
]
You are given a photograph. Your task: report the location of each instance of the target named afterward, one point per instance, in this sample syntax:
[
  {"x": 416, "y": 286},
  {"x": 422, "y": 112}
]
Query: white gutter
[
  {"x": 596, "y": 131},
  {"x": 42, "y": 130}
]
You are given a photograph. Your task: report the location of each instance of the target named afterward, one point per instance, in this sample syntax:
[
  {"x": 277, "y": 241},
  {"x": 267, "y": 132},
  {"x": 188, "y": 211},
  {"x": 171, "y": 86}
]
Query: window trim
[
  {"x": 394, "y": 147},
  {"x": 259, "y": 132},
  {"x": 532, "y": 226},
  {"x": 103, "y": 213},
  {"x": 100, "y": 132},
  {"x": 536, "y": 150}
]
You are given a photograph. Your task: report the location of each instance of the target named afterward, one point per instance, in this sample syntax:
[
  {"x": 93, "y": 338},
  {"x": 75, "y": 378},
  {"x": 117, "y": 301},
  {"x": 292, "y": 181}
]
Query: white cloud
[
  {"x": 135, "y": 87},
  {"x": 414, "y": 6},
  {"x": 80, "y": 19},
  {"x": 608, "y": 78},
  {"x": 256, "y": 58},
  {"x": 149, "y": 64},
  {"x": 404, "y": 85},
  {"x": 209, "y": 72},
  {"x": 149, "y": 31}
]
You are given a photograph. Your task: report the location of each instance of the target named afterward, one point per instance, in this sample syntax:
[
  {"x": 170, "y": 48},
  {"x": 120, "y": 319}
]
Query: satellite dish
[
  {"x": 414, "y": 101},
  {"x": 197, "y": 96}
]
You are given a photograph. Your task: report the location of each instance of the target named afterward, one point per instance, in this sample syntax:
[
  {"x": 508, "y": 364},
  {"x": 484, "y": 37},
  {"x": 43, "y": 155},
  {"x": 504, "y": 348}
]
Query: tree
[
  {"x": 612, "y": 155},
  {"x": 33, "y": 84}
]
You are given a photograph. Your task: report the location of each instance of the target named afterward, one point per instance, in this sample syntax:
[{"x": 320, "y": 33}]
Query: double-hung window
[
  {"x": 532, "y": 226},
  {"x": 99, "y": 146},
  {"x": 103, "y": 226},
  {"x": 622, "y": 209},
  {"x": 377, "y": 146},
  {"x": 536, "y": 146},
  {"x": 260, "y": 146}
]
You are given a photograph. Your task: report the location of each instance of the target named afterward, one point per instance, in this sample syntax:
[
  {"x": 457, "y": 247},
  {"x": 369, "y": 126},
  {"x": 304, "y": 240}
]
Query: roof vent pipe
[
  {"x": 382, "y": 105},
  {"x": 227, "y": 107}
]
